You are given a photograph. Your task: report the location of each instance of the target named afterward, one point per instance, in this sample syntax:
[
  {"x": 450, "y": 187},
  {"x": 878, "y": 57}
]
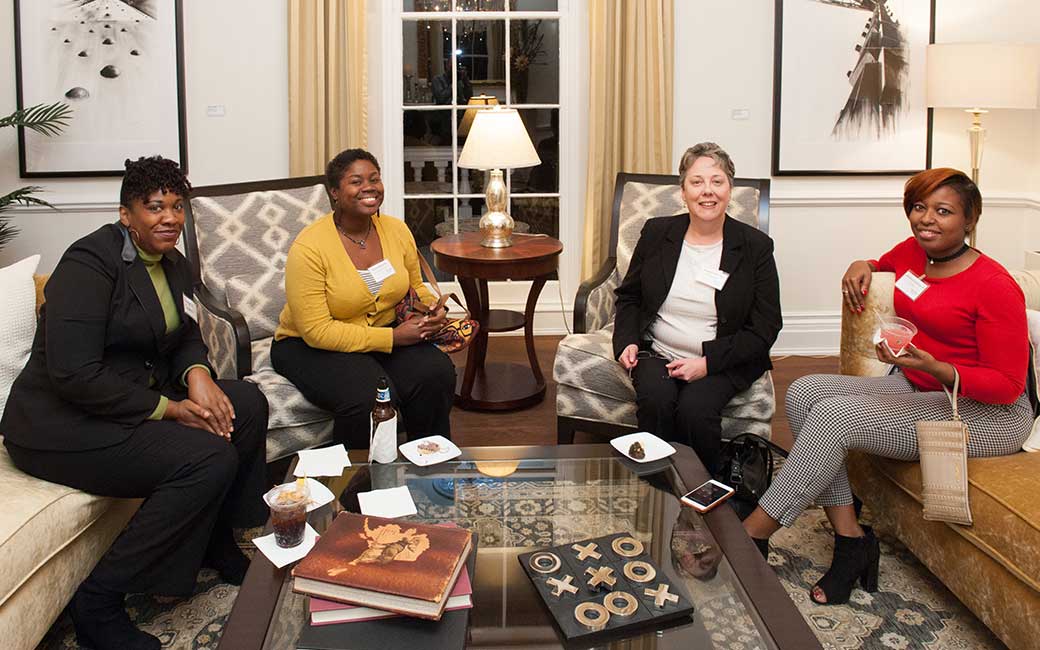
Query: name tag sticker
[
  {"x": 381, "y": 271},
  {"x": 714, "y": 278},
  {"x": 911, "y": 285},
  {"x": 190, "y": 310}
]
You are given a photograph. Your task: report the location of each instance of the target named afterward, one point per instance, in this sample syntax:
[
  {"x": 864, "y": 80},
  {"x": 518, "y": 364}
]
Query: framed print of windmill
[
  {"x": 849, "y": 87},
  {"x": 119, "y": 65}
]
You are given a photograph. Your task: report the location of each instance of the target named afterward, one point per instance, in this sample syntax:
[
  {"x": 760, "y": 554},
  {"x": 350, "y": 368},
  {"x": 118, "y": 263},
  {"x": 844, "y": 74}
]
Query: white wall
[
  {"x": 820, "y": 224},
  {"x": 235, "y": 56}
]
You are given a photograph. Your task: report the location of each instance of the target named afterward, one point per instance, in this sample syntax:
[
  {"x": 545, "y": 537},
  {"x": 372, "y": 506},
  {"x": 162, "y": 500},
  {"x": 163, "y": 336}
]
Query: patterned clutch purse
[
  {"x": 457, "y": 333},
  {"x": 943, "y": 446}
]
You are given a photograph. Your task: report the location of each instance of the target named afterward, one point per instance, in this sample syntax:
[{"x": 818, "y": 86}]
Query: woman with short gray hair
[{"x": 698, "y": 309}]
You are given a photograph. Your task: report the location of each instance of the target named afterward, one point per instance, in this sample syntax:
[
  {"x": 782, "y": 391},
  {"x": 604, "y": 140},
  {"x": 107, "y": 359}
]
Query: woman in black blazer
[
  {"x": 118, "y": 399},
  {"x": 698, "y": 309}
]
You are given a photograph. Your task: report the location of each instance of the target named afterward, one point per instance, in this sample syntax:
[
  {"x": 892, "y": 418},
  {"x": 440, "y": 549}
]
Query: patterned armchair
[
  {"x": 594, "y": 393},
  {"x": 236, "y": 239}
]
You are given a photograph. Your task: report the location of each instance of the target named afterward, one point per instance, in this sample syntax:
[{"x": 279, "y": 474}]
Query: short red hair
[{"x": 921, "y": 185}]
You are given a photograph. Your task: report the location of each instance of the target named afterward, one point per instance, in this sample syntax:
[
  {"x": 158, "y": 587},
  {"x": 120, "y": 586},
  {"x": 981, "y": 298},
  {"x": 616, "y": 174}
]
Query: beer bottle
[{"x": 382, "y": 443}]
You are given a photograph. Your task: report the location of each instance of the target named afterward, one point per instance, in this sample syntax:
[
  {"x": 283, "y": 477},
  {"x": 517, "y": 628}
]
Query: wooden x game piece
[
  {"x": 602, "y": 577},
  {"x": 587, "y": 551},
  {"x": 560, "y": 586},
  {"x": 661, "y": 595}
]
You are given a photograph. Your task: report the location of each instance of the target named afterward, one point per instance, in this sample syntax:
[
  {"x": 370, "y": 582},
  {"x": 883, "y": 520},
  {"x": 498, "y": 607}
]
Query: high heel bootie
[
  {"x": 99, "y": 616},
  {"x": 855, "y": 558}
]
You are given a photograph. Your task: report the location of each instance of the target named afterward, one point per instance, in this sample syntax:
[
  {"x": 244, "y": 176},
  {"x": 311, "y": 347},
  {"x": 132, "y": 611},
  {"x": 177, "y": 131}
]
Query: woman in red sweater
[{"x": 971, "y": 317}]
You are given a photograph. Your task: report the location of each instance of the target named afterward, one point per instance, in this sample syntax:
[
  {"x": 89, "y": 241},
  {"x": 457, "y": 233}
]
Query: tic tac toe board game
[{"x": 603, "y": 586}]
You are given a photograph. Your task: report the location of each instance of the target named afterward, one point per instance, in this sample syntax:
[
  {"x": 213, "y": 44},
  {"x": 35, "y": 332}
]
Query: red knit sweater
[{"x": 975, "y": 320}]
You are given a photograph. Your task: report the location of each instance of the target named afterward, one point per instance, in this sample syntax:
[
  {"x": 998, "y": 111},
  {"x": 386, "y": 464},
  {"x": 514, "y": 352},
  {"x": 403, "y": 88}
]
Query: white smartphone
[{"x": 707, "y": 495}]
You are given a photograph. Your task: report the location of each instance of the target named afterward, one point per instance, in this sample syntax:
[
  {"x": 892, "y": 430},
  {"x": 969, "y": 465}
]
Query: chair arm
[
  {"x": 226, "y": 335},
  {"x": 583, "y": 320}
]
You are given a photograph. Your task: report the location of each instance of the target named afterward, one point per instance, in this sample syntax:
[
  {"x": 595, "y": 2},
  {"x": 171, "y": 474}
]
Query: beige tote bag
[{"x": 943, "y": 446}]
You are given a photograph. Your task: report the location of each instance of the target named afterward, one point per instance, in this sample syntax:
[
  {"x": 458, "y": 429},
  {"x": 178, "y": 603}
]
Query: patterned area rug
[{"x": 911, "y": 610}]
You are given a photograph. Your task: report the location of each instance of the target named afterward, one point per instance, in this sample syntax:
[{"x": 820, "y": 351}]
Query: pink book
[{"x": 327, "y": 612}]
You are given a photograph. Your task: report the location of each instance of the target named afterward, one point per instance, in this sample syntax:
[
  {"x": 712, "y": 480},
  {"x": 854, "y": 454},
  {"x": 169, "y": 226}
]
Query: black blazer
[
  {"x": 748, "y": 306},
  {"x": 101, "y": 354}
]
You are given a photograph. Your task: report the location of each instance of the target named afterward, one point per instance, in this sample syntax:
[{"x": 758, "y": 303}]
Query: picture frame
[
  {"x": 119, "y": 64},
  {"x": 849, "y": 87}
]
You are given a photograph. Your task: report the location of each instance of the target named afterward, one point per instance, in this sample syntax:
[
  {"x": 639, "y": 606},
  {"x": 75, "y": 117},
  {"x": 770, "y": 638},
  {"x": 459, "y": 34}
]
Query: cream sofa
[
  {"x": 993, "y": 567},
  {"x": 51, "y": 536}
]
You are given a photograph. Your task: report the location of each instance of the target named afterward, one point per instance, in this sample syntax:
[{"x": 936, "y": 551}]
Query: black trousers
[
  {"x": 190, "y": 480},
  {"x": 677, "y": 411},
  {"x": 422, "y": 386}
]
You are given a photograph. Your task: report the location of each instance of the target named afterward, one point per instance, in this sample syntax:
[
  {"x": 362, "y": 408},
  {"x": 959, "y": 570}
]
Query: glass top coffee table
[{"x": 519, "y": 498}]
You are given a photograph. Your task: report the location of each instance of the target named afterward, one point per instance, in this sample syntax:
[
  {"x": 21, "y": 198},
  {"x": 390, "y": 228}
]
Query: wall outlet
[
  {"x": 215, "y": 110},
  {"x": 740, "y": 114}
]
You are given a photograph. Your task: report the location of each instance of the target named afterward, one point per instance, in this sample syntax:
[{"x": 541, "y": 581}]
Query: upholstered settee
[
  {"x": 594, "y": 393},
  {"x": 993, "y": 566},
  {"x": 237, "y": 238},
  {"x": 51, "y": 536}
]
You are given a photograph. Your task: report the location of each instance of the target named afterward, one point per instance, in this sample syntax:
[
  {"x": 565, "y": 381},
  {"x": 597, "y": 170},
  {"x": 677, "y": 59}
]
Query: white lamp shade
[
  {"x": 498, "y": 140},
  {"x": 983, "y": 75}
]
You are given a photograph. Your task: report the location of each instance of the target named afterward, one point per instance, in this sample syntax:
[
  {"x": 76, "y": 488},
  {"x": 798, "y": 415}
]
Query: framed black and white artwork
[
  {"x": 849, "y": 87},
  {"x": 119, "y": 65}
]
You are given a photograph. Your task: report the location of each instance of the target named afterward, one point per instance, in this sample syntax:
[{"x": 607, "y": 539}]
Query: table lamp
[
  {"x": 981, "y": 76},
  {"x": 497, "y": 140}
]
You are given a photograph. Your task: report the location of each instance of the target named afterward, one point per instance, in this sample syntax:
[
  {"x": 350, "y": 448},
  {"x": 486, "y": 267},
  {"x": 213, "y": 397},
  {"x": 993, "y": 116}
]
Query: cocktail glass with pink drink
[{"x": 897, "y": 333}]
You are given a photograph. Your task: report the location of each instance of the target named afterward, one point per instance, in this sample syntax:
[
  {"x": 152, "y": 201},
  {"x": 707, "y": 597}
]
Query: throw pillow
[
  {"x": 17, "y": 321},
  {"x": 259, "y": 297}
]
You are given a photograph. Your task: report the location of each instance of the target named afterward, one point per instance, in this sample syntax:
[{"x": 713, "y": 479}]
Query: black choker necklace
[{"x": 952, "y": 256}]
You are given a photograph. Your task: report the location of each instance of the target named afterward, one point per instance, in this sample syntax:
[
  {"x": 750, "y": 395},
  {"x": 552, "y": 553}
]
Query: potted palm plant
[{"x": 46, "y": 119}]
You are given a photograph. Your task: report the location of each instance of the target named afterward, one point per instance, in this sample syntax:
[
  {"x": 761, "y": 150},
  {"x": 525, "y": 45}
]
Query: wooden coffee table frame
[{"x": 253, "y": 611}]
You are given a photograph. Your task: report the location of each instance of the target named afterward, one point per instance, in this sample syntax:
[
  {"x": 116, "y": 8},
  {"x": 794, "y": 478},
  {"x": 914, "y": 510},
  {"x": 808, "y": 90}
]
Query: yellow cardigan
[{"x": 327, "y": 302}]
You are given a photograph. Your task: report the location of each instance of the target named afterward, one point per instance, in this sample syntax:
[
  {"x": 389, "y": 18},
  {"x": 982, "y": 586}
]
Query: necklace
[
  {"x": 361, "y": 243},
  {"x": 952, "y": 256}
]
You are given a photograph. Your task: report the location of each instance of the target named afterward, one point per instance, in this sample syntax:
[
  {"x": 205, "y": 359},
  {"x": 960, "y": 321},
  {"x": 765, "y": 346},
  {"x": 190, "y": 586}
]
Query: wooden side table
[{"x": 498, "y": 386}]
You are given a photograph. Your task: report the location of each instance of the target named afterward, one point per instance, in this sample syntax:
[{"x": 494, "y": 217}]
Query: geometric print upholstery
[
  {"x": 641, "y": 201},
  {"x": 259, "y": 297},
  {"x": 219, "y": 336},
  {"x": 243, "y": 242},
  {"x": 245, "y": 234},
  {"x": 592, "y": 385}
]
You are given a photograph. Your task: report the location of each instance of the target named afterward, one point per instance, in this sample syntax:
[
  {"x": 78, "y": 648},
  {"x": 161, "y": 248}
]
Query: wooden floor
[{"x": 537, "y": 425}]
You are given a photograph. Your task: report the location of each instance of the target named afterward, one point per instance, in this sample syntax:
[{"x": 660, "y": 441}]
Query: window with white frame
[{"x": 453, "y": 50}]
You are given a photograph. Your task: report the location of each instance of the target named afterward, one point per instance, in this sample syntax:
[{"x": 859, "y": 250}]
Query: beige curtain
[
  {"x": 631, "y": 45},
  {"x": 328, "y": 82}
]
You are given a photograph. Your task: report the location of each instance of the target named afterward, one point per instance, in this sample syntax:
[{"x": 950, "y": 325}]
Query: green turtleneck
[{"x": 153, "y": 263}]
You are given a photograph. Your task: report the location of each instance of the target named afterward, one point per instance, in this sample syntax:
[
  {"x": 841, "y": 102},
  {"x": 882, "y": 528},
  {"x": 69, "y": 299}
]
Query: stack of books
[{"x": 366, "y": 568}]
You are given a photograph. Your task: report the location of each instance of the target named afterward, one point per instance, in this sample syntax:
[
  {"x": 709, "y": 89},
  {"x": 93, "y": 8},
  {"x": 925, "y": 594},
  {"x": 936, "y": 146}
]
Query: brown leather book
[{"x": 388, "y": 564}]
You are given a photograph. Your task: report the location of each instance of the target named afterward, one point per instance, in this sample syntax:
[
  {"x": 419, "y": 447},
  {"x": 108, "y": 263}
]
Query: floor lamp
[{"x": 978, "y": 77}]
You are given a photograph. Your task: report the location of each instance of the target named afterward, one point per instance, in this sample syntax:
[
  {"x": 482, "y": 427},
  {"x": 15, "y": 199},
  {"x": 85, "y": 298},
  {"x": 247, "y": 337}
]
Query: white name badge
[
  {"x": 381, "y": 271},
  {"x": 714, "y": 278},
  {"x": 911, "y": 285},
  {"x": 190, "y": 310}
]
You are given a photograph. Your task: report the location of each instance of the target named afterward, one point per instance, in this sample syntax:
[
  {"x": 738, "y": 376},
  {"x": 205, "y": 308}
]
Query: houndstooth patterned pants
[{"x": 833, "y": 414}]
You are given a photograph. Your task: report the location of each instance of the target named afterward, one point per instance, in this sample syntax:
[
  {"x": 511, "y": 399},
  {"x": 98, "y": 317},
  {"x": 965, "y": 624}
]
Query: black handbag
[{"x": 747, "y": 464}]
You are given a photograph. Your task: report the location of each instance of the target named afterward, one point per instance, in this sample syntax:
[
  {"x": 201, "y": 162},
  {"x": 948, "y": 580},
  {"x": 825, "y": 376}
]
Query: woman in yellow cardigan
[{"x": 337, "y": 334}]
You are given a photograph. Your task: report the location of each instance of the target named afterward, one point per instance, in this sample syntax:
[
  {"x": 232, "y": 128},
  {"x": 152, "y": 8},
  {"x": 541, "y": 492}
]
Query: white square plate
[
  {"x": 655, "y": 448},
  {"x": 447, "y": 451}
]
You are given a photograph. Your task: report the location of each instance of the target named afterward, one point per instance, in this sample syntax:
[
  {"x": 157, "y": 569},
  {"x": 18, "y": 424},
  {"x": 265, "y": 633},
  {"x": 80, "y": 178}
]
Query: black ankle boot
[
  {"x": 763, "y": 547},
  {"x": 224, "y": 555},
  {"x": 101, "y": 623},
  {"x": 855, "y": 558}
]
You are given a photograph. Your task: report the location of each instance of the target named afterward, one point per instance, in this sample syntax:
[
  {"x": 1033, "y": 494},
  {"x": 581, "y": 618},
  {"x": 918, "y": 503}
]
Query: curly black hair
[
  {"x": 146, "y": 175},
  {"x": 338, "y": 166}
]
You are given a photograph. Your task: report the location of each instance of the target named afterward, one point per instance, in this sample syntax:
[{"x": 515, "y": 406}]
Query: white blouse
[{"x": 688, "y": 317}]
